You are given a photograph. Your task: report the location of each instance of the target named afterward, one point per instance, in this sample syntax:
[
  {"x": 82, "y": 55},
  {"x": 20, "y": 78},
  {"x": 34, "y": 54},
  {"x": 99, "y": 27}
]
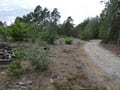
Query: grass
[{"x": 59, "y": 86}]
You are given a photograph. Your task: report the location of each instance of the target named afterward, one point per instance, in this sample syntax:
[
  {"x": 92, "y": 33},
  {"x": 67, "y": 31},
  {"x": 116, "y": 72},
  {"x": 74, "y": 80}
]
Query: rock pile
[{"x": 6, "y": 52}]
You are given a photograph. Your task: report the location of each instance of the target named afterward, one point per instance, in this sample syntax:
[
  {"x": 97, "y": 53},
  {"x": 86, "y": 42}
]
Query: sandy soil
[
  {"x": 105, "y": 64},
  {"x": 113, "y": 48}
]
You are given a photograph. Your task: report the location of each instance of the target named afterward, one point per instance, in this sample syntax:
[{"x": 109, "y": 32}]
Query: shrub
[
  {"x": 38, "y": 57},
  {"x": 68, "y": 40},
  {"x": 34, "y": 33},
  {"x": 15, "y": 69},
  {"x": 19, "y": 53},
  {"x": 48, "y": 36},
  {"x": 19, "y": 31},
  {"x": 3, "y": 33}
]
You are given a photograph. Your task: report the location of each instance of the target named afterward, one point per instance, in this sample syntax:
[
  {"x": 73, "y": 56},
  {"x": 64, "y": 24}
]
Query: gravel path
[{"x": 104, "y": 59}]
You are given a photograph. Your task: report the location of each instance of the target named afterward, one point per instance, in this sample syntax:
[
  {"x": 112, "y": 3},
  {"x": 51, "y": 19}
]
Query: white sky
[{"x": 77, "y": 9}]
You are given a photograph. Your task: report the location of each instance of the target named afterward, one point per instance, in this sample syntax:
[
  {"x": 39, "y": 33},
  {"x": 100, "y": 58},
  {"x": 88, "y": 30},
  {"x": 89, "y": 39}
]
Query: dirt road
[{"x": 106, "y": 61}]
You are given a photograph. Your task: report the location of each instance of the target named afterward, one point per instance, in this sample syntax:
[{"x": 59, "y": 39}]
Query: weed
[
  {"x": 72, "y": 79},
  {"x": 38, "y": 57},
  {"x": 68, "y": 40},
  {"x": 19, "y": 53},
  {"x": 59, "y": 86},
  {"x": 15, "y": 69}
]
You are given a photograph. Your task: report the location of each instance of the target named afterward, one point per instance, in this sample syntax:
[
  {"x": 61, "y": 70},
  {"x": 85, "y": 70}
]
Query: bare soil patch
[
  {"x": 104, "y": 64},
  {"x": 113, "y": 48}
]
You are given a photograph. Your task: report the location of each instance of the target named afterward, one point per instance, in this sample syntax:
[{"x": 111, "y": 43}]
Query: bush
[
  {"x": 38, "y": 57},
  {"x": 3, "y": 34},
  {"x": 48, "y": 36},
  {"x": 34, "y": 33},
  {"x": 15, "y": 69},
  {"x": 19, "y": 31},
  {"x": 68, "y": 40},
  {"x": 19, "y": 53}
]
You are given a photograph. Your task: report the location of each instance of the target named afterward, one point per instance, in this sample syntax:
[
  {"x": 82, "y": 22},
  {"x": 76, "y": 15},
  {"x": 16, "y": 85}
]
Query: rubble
[{"x": 6, "y": 52}]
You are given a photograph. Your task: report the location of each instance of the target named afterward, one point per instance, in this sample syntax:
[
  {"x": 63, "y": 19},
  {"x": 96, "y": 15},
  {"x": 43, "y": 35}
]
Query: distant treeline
[{"x": 105, "y": 27}]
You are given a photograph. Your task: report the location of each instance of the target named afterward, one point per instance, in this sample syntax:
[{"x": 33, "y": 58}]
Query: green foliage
[
  {"x": 68, "y": 40},
  {"x": 19, "y": 53},
  {"x": 19, "y": 31},
  {"x": 3, "y": 33},
  {"x": 15, "y": 69},
  {"x": 41, "y": 17},
  {"x": 110, "y": 22},
  {"x": 87, "y": 29},
  {"x": 49, "y": 33},
  {"x": 48, "y": 36},
  {"x": 1, "y": 24},
  {"x": 67, "y": 27},
  {"x": 55, "y": 16},
  {"x": 38, "y": 57},
  {"x": 35, "y": 55},
  {"x": 103, "y": 33},
  {"x": 79, "y": 29},
  {"x": 91, "y": 29},
  {"x": 43, "y": 24},
  {"x": 34, "y": 33}
]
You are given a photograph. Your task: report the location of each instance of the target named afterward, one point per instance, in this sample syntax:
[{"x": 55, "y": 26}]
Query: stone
[
  {"x": 51, "y": 80},
  {"x": 3, "y": 72},
  {"x": 23, "y": 87},
  {"x": 20, "y": 83},
  {"x": 24, "y": 83},
  {"x": 29, "y": 82},
  {"x": 1, "y": 56},
  {"x": 6, "y": 52}
]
